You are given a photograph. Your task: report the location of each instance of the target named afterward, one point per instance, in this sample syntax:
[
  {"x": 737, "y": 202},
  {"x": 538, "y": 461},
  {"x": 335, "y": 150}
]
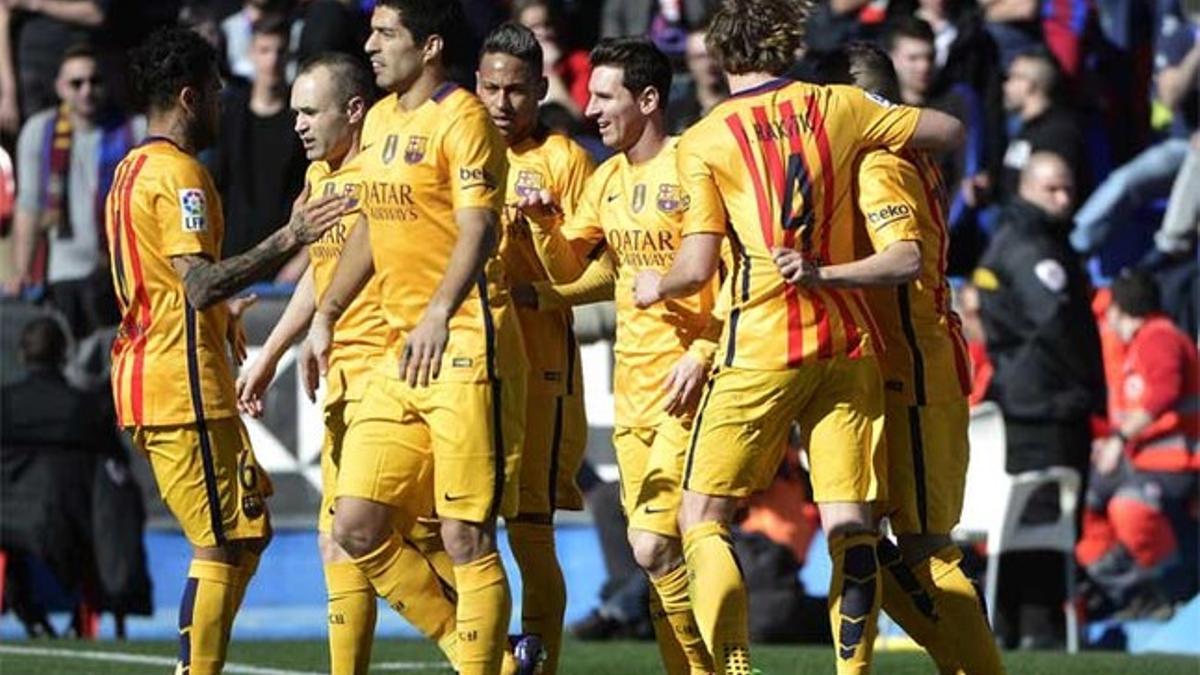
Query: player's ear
[
  {"x": 648, "y": 100},
  {"x": 356, "y": 109},
  {"x": 189, "y": 98},
  {"x": 543, "y": 88},
  {"x": 434, "y": 46}
]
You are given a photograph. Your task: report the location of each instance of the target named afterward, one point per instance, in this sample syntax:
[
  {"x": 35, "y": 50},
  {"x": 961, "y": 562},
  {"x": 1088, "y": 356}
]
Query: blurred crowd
[{"x": 1082, "y": 166}]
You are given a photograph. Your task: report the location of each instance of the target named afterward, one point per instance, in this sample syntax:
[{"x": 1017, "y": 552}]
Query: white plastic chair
[{"x": 994, "y": 501}]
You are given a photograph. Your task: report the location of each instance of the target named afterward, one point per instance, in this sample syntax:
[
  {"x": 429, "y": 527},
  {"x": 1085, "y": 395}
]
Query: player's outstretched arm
[
  {"x": 253, "y": 382},
  {"x": 937, "y": 132},
  {"x": 596, "y": 284},
  {"x": 694, "y": 265},
  {"x": 899, "y": 263},
  {"x": 206, "y": 282},
  {"x": 478, "y": 232},
  {"x": 354, "y": 268},
  {"x": 564, "y": 259}
]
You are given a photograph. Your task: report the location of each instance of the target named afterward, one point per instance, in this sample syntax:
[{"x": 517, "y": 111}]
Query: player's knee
[
  {"x": 359, "y": 532},
  {"x": 653, "y": 552},
  {"x": 846, "y": 518},
  {"x": 329, "y": 549},
  {"x": 466, "y": 542}
]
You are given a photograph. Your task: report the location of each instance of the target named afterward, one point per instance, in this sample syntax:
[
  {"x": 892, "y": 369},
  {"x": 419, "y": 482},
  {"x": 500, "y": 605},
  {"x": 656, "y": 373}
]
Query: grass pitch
[{"x": 607, "y": 658}]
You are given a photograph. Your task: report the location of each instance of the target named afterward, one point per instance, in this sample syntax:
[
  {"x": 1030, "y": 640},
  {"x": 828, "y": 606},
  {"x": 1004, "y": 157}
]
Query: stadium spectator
[
  {"x": 202, "y": 20},
  {"x": 45, "y": 29},
  {"x": 704, "y": 89},
  {"x": 1139, "y": 539},
  {"x": 66, "y": 156},
  {"x": 566, "y": 69},
  {"x": 1048, "y": 378},
  {"x": 10, "y": 109},
  {"x": 259, "y": 164},
  {"x": 1046, "y": 125},
  {"x": 1149, "y": 175},
  {"x": 54, "y": 444},
  {"x": 331, "y": 26},
  {"x": 238, "y": 29},
  {"x": 665, "y": 22}
]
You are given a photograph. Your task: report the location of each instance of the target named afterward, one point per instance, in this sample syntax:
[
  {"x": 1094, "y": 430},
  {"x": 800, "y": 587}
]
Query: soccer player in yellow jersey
[
  {"x": 171, "y": 376},
  {"x": 632, "y": 207},
  {"x": 330, "y": 99},
  {"x": 772, "y": 168},
  {"x": 510, "y": 83},
  {"x": 902, "y": 236},
  {"x": 441, "y": 423}
]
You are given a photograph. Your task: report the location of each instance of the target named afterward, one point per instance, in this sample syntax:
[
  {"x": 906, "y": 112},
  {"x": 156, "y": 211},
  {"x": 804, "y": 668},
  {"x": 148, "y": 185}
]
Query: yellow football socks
[
  {"x": 718, "y": 596},
  {"x": 673, "y": 659},
  {"x": 205, "y": 614},
  {"x": 484, "y": 606},
  {"x": 351, "y": 618},
  {"x": 854, "y": 598},
  {"x": 962, "y": 619},
  {"x": 681, "y": 635},
  {"x": 406, "y": 580},
  {"x": 543, "y": 591}
]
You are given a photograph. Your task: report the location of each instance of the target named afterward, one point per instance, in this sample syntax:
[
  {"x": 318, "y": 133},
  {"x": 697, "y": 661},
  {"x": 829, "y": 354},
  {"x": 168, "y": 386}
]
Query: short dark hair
[
  {"x": 272, "y": 24},
  {"x": 644, "y": 65},
  {"x": 907, "y": 27},
  {"x": 80, "y": 50},
  {"x": 167, "y": 61},
  {"x": 43, "y": 343},
  {"x": 1136, "y": 293},
  {"x": 423, "y": 18},
  {"x": 518, "y": 42},
  {"x": 351, "y": 77},
  {"x": 862, "y": 64},
  {"x": 1048, "y": 72}
]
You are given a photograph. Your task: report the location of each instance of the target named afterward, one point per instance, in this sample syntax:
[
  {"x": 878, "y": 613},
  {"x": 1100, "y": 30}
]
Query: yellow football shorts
[
  {"x": 742, "y": 426},
  {"x": 555, "y": 440},
  {"x": 451, "y": 448},
  {"x": 209, "y": 479},
  {"x": 927, "y": 453},
  {"x": 650, "y": 460},
  {"x": 337, "y": 421}
]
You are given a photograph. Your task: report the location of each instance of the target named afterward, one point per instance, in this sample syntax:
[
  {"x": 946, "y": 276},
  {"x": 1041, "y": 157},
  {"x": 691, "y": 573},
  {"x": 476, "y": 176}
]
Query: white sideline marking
[
  {"x": 143, "y": 659},
  {"x": 410, "y": 665}
]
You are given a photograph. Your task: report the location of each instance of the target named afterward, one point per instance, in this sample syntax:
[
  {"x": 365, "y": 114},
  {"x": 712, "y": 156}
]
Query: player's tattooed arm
[{"x": 206, "y": 282}]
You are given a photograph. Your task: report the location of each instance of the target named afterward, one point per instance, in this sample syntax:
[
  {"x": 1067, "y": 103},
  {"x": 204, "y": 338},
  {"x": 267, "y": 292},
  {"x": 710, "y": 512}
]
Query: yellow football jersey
[
  {"x": 421, "y": 166},
  {"x": 545, "y": 161},
  {"x": 637, "y": 211},
  {"x": 360, "y": 335},
  {"x": 901, "y": 197},
  {"x": 169, "y": 361},
  {"x": 773, "y": 167}
]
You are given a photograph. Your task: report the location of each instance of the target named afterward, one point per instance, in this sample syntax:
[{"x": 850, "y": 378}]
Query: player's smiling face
[
  {"x": 617, "y": 113},
  {"x": 322, "y": 123},
  {"x": 511, "y": 93},
  {"x": 396, "y": 58}
]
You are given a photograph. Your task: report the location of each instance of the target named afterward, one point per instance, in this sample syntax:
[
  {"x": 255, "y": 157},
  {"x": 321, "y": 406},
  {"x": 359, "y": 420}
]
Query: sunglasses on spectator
[{"x": 78, "y": 82}]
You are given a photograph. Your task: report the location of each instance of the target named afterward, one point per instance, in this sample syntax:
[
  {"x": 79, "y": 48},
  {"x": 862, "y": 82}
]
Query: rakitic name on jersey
[{"x": 785, "y": 127}]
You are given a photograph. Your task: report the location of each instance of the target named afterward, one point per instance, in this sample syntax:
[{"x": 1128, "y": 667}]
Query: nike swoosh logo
[
  {"x": 611, "y": 198},
  {"x": 452, "y": 498},
  {"x": 653, "y": 511}
]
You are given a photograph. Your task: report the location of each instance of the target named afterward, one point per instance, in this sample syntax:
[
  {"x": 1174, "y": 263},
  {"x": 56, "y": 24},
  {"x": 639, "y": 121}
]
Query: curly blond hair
[{"x": 750, "y": 36}]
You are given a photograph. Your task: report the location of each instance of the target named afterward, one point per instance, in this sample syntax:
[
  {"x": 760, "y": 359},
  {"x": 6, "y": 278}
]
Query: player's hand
[
  {"x": 312, "y": 219},
  {"x": 684, "y": 385},
  {"x": 524, "y": 295},
  {"x": 1106, "y": 454},
  {"x": 795, "y": 268},
  {"x": 540, "y": 207},
  {"x": 252, "y": 384},
  {"x": 422, "y": 357},
  {"x": 320, "y": 340},
  {"x": 310, "y": 370},
  {"x": 645, "y": 288},
  {"x": 235, "y": 334}
]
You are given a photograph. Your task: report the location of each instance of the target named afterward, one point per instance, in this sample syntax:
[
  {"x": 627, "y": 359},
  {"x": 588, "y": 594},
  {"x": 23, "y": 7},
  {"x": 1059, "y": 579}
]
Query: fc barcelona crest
[
  {"x": 414, "y": 152},
  {"x": 670, "y": 197},
  {"x": 389, "y": 148},
  {"x": 528, "y": 182},
  {"x": 639, "y": 197}
]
